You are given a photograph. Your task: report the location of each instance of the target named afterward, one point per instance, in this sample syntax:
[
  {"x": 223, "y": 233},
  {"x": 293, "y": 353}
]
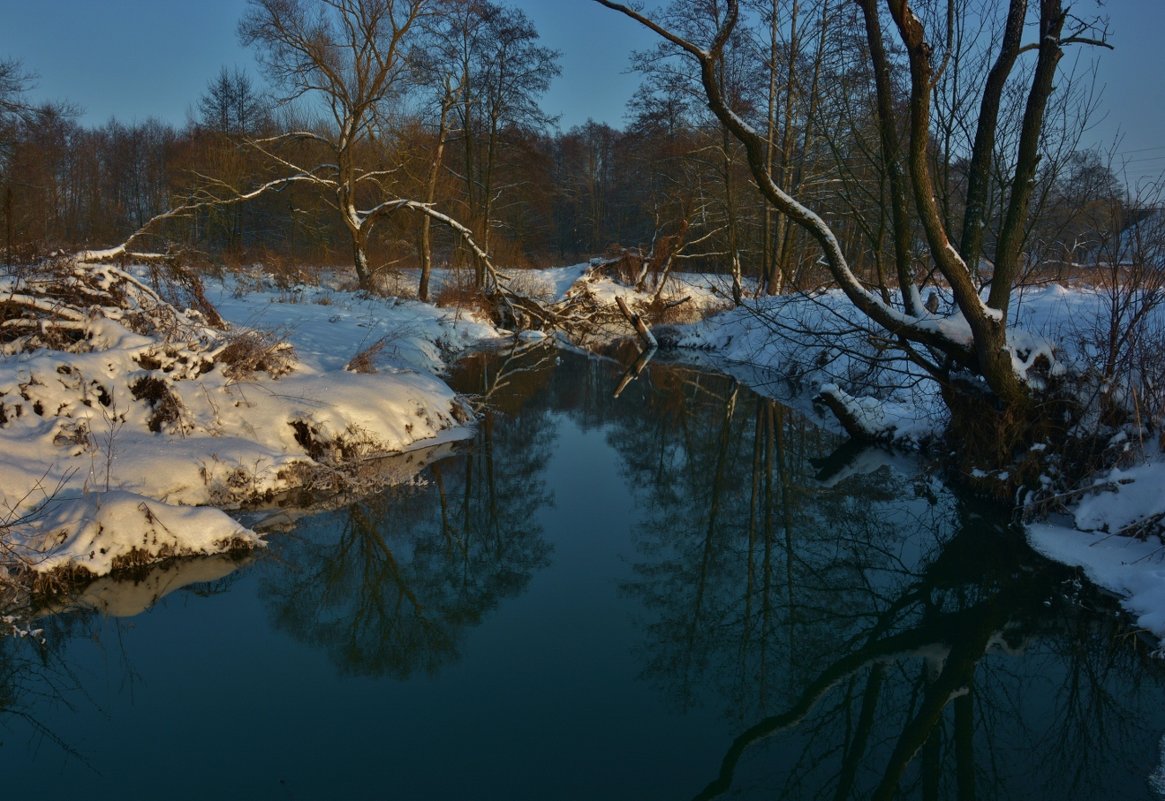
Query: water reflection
[
  {"x": 388, "y": 585},
  {"x": 128, "y": 596},
  {"x": 831, "y": 632},
  {"x": 874, "y": 637}
]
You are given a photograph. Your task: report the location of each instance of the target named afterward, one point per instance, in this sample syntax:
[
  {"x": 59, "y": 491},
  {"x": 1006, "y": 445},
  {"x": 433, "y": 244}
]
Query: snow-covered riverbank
[
  {"x": 792, "y": 347},
  {"x": 137, "y": 434},
  {"x": 122, "y": 445}
]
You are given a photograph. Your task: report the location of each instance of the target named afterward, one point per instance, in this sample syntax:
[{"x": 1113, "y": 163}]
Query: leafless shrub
[
  {"x": 176, "y": 280},
  {"x": 287, "y": 273},
  {"x": 364, "y": 360},
  {"x": 54, "y": 308},
  {"x": 252, "y": 351},
  {"x": 395, "y": 284},
  {"x": 531, "y": 284},
  {"x": 107, "y": 442},
  {"x": 465, "y": 297},
  {"x": 1127, "y": 338}
]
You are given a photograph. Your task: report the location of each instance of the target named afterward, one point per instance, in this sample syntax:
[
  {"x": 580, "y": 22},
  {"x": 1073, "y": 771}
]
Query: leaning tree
[{"x": 989, "y": 378}]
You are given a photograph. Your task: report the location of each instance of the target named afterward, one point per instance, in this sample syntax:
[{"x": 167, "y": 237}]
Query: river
[{"x": 686, "y": 591}]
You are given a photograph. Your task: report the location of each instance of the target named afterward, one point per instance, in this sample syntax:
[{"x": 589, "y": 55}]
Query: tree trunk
[
  {"x": 891, "y": 157},
  {"x": 983, "y": 150},
  {"x": 360, "y": 260},
  {"x": 768, "y": 241},
  {"x": 1007, "y": 254},
  {"x": 431, "y": 195},
  {"x": 730, "y": 211}
]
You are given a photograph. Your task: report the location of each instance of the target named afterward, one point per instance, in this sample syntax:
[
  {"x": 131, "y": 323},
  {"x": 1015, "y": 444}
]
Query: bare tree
[
  {"x": 448, "y": 99},
  {"x": 793, "y": 97},
  {"x": 972, "y": 352},
  {"x": 231, "y": 105},
  {"x": 14, "y": 82},
  {"x": 492, "y": 53},
  {"x": 586, "y": 163},
  {"x": 347, "y": 56}
]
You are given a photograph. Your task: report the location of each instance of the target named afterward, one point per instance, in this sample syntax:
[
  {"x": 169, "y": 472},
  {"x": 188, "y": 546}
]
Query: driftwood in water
[
  {"x": 649, "y": 342},
  {"x": 634, "y": 370}
]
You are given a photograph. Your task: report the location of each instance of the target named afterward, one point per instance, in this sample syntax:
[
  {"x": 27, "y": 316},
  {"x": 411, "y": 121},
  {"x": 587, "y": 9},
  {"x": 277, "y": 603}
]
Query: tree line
[{"x": 374, "y": 111}]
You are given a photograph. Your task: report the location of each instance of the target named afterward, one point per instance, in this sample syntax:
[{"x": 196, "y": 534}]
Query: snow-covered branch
[{"x": 187, "y": 208}]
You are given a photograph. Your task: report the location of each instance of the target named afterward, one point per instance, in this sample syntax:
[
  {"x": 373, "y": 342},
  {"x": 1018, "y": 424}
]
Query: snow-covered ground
[
  {"x": 134, "y": 473},
  {"x": 122, "y": 447}
]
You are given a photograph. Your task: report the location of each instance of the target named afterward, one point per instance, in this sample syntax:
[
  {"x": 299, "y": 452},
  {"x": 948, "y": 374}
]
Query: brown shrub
[
  {"x": 364, "y": 360},
  {"x": 166, "y": 408},
  {"x": 250, "y": 351},
  {"x": 469, "y": 298}
]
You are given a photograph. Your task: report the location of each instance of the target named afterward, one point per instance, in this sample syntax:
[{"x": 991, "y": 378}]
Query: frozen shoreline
[{"x": 238, "y": 439}]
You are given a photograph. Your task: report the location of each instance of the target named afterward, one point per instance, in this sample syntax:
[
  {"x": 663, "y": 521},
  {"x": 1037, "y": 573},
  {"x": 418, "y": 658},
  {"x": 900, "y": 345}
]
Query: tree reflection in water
[
  {"x": 859, "y": 634},
  {"x": 874, "y": 636},
  {"x": 388, "y": 585}
]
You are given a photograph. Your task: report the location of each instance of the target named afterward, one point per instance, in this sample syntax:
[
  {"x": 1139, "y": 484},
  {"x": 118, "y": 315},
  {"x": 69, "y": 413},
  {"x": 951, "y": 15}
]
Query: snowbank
[
  {"x": 803, "y": 347},
  {"x": 104, "y": 531},
  {"x": 817, "y": 343},
  {"x": 1131, "y": 567},
  {"x": 125, "y": 411}
]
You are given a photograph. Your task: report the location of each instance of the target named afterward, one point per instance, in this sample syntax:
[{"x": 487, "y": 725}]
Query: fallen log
[
  {"x": 638, "y": 324},
  {"x": 633, "y": 372}
]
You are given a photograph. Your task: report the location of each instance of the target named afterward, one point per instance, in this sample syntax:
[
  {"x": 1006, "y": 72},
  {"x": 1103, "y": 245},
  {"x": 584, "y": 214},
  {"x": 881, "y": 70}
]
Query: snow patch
[
  {"x": 102, "y": 531},
  {"x": 1131, "y": 568}
]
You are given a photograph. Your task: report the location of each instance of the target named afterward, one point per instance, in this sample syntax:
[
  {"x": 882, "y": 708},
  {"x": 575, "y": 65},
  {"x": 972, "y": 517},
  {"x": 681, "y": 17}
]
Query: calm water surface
[{"x": 669, "y": 595}]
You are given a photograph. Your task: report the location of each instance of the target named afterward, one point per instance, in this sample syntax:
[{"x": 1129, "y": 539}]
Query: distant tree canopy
[{"x": 438, "y": 102}]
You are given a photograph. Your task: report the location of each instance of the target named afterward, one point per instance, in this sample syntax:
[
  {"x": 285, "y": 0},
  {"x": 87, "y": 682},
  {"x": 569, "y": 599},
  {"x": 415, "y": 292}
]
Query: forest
[{"x": 452, "y": 119}]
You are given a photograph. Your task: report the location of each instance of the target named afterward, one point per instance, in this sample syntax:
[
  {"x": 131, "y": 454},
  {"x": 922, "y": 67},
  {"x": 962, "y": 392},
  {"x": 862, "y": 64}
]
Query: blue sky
[{"x": 133, "y": 59}]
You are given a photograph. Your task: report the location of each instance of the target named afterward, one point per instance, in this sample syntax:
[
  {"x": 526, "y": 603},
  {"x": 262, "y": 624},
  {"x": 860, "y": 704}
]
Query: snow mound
[
  {"x": 107, "y": 386},
  {"x": 105, "y": 531}
]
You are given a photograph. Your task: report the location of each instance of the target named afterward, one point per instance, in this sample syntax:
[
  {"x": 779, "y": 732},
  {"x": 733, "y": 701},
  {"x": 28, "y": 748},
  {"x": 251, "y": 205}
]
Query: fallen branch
[
  {"x": 637, "y": 323},
  {"x": 634, "y": 371},
  {"x": 1141, "y": 529}
]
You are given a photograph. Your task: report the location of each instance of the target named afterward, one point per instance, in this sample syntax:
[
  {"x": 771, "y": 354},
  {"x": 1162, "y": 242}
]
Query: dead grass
[
  {"x": 364, "y": 360},
  {"x": 253, "y": 351},
  {"x": 468, "y": 298},
  {"x": 56, "y": 583},
  {"x": 166, "y": 409}
]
